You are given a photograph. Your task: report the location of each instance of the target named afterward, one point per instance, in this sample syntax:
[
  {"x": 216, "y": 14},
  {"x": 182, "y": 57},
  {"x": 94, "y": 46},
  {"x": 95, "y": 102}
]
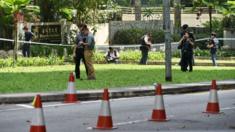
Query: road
[{"x": 129, "y": 114}]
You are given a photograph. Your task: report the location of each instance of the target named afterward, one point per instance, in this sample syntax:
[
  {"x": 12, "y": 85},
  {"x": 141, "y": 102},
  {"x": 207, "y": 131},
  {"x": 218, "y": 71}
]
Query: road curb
[{"x": 118, "y": 93}]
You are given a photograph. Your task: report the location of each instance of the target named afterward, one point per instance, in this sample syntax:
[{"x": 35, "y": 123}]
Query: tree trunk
[
  {"x": 15, "y": 43},
  {"x": 166, "y": 27},
  {"x": 210, "y": 17},
  {"x": 137, "y": 10},
  {"x": 177, "y": 15}
]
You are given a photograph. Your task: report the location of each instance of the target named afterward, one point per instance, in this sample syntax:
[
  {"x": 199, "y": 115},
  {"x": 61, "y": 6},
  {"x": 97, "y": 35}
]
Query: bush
[
  {"x": 133, "y": 36},
  {"x": 46, "y": 51},
  {"x": 34, "y": 61},
  {"x": 229, "y": 22}
]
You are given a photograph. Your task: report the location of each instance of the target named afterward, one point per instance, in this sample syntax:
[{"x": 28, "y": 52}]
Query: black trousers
[
  {"x": 26, "y": 50},
  {"x": 78, "y": 58},
  {"x": 144, "y": 57},
  {"x": 186, "y": 60}
]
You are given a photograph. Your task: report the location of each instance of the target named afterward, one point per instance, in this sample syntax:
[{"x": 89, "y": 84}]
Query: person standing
[
  {"x": 216, "y": 41},
  {"x": 213, "y": 50},
  {"x": 146, "y": 42},
  {"x": 185, "y": 28},
  {"x": 26, "y": 46},
  {"x": 78, "y": 52},
  {"x": 89, "y": 45},
  {"x": 186, "y": 46}
]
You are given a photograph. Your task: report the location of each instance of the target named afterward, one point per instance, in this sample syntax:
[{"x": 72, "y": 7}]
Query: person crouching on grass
[{"x": 89, "y": 45}]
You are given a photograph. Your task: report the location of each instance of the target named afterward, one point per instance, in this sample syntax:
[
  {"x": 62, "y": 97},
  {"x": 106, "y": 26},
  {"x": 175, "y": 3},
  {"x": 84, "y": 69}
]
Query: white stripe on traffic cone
[
  {"x": 105, "y": 116},
  {"x": 213, "y": 103},
  {"x": 71, "y": 94},
  {"x": 38, "y": 121},
  {"x": 158, "y": 113}
]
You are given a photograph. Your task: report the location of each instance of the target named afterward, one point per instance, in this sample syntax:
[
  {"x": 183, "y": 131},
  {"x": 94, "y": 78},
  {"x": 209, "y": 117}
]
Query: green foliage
[
  {"x": 217, "y": 26},
  {"x": 46, "y": 51},
  {"x": 34, "y": 61},
  {"x": 229, "y": 22},
  {"x": 204, "y": 53},
  {"x": 130, "y": 56},
  {"x": 133, "y": 36}
]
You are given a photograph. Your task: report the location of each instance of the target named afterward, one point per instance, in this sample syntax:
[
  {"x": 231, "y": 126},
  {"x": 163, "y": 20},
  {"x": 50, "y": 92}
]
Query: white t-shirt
[
  {"x": 216, "y": 42},
  {"x": 112, "y": 54}
]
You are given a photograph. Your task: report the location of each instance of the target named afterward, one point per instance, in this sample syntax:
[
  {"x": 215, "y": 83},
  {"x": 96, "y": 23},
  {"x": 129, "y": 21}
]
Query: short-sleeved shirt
[
  {"x": 213, "y": 48},
  {"x": 90, "y": 40},
  {"x": 80, "y": 37}
]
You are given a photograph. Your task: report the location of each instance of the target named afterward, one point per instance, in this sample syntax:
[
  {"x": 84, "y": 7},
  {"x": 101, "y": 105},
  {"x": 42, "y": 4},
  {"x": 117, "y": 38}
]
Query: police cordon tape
[
  {"x": 155, "y": 47},
  {"x": 106, "y": 46}
]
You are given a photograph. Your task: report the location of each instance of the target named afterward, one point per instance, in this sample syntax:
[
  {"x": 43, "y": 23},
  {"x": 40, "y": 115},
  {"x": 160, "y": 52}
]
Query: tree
[
  {"x": 211, "y": 4},
  {"x": 177, "y": 12},
  {"x": 137, "y": 4},
  {"x": 166, "y": 27},
  {"x": 7, "y": 10},
  {"x": 228, "y": 11}
]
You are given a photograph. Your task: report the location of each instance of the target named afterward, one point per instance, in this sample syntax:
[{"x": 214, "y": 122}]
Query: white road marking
[
  {"x": 228, "y": 108},
  {"x": 130, "y": 122},
  {"x": 25, "y": 106},
  {"x": 12, "y": 109}
]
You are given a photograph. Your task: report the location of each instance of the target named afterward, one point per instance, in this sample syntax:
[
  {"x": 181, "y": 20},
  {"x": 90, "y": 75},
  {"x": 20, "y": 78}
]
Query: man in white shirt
[
  {"x": 216, "y": 41},
  {"x": 112, "y": 56}
]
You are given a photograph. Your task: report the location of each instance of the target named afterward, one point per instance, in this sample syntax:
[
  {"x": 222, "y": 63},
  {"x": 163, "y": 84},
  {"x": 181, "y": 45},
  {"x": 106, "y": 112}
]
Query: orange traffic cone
[
  {"x": 213, "y": 103},
  {"x": 71, "y": 95},
  {"x": 38, "y": 121},
  {"x": 159, "y": 113},
  {"x": 105, "y": 117}
]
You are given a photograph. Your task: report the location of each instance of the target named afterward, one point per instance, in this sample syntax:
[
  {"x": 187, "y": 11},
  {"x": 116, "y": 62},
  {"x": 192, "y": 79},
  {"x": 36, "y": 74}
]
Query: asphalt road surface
[{"x": 129, "y": 114}]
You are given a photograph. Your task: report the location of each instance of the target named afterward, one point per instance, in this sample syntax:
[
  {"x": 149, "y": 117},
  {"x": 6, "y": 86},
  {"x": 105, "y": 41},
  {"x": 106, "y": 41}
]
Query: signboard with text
[{"x": 47, "y": 32}]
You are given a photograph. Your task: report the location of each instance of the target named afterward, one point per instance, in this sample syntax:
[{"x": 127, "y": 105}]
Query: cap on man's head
[
  {"x": 213, "y": 33},
  {"x": 185, "y": 26}
]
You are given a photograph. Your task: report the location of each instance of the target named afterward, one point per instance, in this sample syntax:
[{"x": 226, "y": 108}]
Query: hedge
[{"x": 125, "y": 56}]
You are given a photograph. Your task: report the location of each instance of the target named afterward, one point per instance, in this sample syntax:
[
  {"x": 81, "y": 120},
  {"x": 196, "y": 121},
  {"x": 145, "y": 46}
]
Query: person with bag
[
  {"x": 78, "y": 53},
  {"x": 186, "y": 45},
  {"x": 213, "y": 49},
  {"x": 146, "y": 42}
]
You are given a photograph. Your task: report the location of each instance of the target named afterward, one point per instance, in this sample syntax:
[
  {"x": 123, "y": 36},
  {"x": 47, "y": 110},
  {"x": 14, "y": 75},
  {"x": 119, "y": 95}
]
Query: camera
[{"x": 84, "y": 40}]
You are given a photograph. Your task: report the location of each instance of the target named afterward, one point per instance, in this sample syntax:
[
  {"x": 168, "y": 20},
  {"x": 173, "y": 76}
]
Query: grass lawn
[{"x": 54, "y": 78}]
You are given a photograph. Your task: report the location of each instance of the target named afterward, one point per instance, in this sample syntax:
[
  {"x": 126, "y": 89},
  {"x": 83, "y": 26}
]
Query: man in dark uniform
[
  {"x": 146, "y": 42},
  {"x": 185, "y": 28},
  {"x": 26, "y": 46},
  {"x": 186, "y": 46},
  {"x": 79, "y": 52}
]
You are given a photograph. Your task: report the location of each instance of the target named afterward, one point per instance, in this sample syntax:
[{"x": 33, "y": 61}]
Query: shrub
[
  {"x": 229, "y": 22},
  {"x": 133, "y": 36},
  {"x": 34, "y": 61},
  {"x": 46, "y": 51}
]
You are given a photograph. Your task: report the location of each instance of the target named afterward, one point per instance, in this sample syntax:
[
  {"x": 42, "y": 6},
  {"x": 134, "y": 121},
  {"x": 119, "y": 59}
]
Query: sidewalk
[{"x": 85, "y": 95}]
